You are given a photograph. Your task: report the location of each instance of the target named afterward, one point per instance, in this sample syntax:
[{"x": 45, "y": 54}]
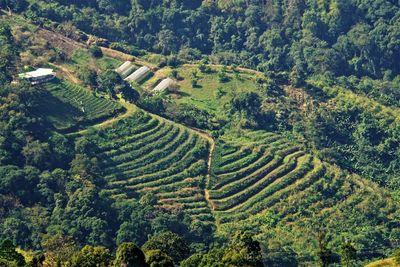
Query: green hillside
[
  {"x": 69, "y": 106},
  {"x": 276, "y": 142}
]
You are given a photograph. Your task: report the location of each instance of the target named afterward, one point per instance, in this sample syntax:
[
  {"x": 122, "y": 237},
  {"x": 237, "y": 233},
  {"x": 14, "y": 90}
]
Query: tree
[
  {"x": 14, "y": 5},
  {"x": 37, "y": 260},
  {"x": 9, "y": 254},
  {"x": 59, "y": 249},
  {"x": 36, "y": 153},
  {"x": 324, "y": 254},
  {"x": 243, "y": 251},
  {"x": 8, "y": 51},
  {"x": 169, "y": 243},
  {"x": 95, "y": 51},
  {"x": 157, "y": 258},
  {"x": 222, "y": 76},
  {"x": 348, "y": 253},
  {"x": 111, "y": 83},
  {"x": 91, "y": 256},
  {"x": 129, "y": 255}
]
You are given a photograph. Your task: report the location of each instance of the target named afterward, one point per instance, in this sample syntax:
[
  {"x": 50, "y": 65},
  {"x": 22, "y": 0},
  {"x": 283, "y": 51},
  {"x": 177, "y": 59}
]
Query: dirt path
[
  {"x": 67, "y": 73},
  {"x": 211, "y": 140}
]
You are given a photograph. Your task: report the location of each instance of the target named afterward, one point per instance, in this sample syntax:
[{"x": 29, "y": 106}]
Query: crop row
[
  {"x": 240, "y": 184},
  {"x": 160, "y": 159},
  {"x": 242, "y": 161},
  {"x": 292, "y": 184},
  {"x": 257, "y": 191},
  {"x": 175, "y": 168},
  {"x": 81, "y": 98},
  {"x": 148, "y": 150},
  {"x": 238, "y": 155},
  {"x": 168, "y": 176},
  {"x": 254, "y": 168},
  {"x": 115, "y": 142},
  {"x": 145, "y": 147},
  {"x": 256, "y": 157},
  {"x": 189, "y": 182}
]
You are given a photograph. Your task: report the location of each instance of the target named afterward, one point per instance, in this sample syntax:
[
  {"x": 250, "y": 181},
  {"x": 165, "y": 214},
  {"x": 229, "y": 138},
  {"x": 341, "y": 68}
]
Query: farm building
[
  {"x": 163, "y": 85},
  {"x": 124, "y": 67},
  {"x": 138, "y": 75},
  {"x": 38, "y": 76}
]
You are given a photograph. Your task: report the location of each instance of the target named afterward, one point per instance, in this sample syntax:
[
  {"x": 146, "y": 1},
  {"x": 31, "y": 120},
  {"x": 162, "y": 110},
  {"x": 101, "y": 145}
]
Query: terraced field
[
  {"x": 146, "y": 154},
  {"x": 69, "y": 106},
  {"x": 258, "y": 174}
]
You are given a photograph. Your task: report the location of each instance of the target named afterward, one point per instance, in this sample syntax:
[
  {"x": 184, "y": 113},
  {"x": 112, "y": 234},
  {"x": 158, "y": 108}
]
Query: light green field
[
  {"x": 82, "y": 57},
  {"x": 211, "y": 94}
]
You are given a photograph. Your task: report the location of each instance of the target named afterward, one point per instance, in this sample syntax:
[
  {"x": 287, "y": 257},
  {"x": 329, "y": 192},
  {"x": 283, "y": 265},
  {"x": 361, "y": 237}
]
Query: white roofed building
[
  {"x": 163, "y": 85},
  {"x": 138, "y": 75},
  {"x": 124, "y": 67},
  {"x": 38, "y": 76}
]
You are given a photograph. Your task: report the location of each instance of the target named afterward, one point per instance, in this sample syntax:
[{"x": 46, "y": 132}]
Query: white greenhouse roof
[
  {"x": 41, "y": 72},
  {"x": 164, "y": 84},
  {"x": 124, "y": 67},
  {"x": 138, "y": 75},
  {"x": 128, "y": 71}
]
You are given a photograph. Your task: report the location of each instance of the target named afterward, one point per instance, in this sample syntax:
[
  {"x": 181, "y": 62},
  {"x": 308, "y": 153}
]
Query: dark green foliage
[
  {"x": 397, "y": 257},
  {"x": 129, "y": 255},
  {"x": 111, "y": 83},
  {"x": 191, "y": 115},
  {"x": 92, "y": 257},
  {"x": 153, "y": 103},
  {"x": 8, "y": 253},
  {"x": 157, "y": 258},
  {"x": 348, "y": 254},
  {"x": 8, "y": 51},
  {"x": 300, "y": 37},
  {"x": 169, "y": 243},
  {"x": 14, "y": 5},
  {"x": 242, "y": 251},
  {"x": 95, "y": 51}
]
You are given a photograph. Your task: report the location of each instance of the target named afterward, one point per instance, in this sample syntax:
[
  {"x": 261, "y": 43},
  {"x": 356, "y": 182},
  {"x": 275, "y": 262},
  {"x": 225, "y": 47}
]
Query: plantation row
[
  {"x": 69, "y": 106},
  {"x": 254, "y": 181},
  {"x": 143, "y": 154},
  {"x": 245, "y": 177}
]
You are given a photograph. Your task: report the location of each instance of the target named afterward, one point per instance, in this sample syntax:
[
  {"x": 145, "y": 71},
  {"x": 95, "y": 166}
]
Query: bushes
[{"x": 95, "y": 51}]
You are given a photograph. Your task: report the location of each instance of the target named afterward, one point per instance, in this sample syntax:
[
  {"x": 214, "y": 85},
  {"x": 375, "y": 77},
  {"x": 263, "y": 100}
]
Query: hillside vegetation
[{"x": 277, "y": 143}]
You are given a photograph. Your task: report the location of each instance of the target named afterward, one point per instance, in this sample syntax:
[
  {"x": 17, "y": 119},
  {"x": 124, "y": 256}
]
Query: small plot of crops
[
  {"x": 145, "y": 154},
  {"x": 70, "y": 106}
]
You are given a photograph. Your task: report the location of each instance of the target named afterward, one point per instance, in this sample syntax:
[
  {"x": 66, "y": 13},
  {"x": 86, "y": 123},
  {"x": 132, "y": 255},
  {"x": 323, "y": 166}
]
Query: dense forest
[{"x": 325, "y": 105}]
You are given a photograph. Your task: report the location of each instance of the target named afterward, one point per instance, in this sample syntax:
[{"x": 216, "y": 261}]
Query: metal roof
[
  {"x": 138, "y": 75},
  {"x": 41, "y": 72},
  {"x": 164, "y": 84},
  {"x": 124, "y": 67}
]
